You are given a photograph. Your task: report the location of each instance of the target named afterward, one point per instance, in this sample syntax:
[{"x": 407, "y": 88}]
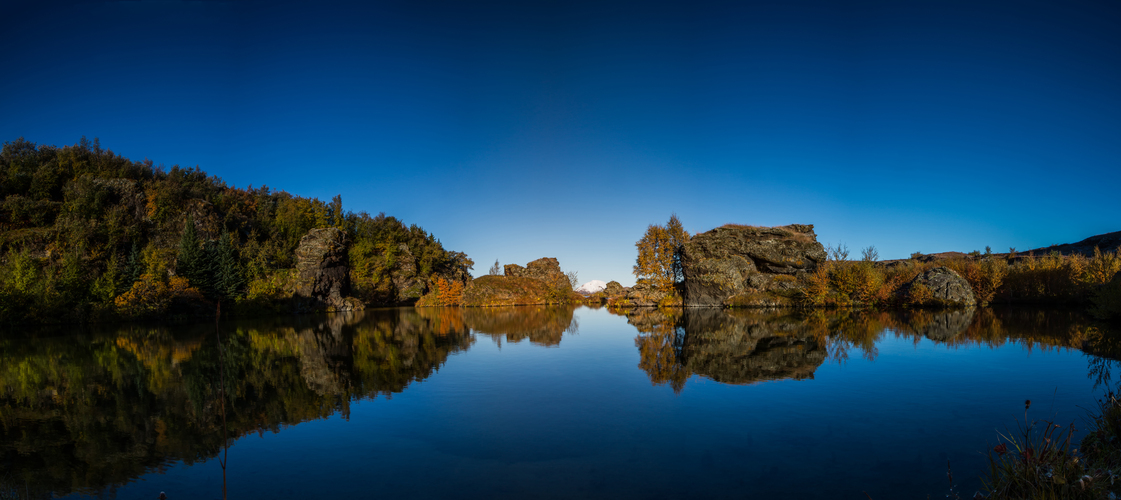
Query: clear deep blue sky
[{"x": 527, "y": 129}]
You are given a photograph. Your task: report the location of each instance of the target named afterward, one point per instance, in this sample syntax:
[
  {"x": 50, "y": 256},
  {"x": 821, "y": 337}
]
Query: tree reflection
[
  {"x": 85, "y": 414},
  {"x": 660, "y": 341}
]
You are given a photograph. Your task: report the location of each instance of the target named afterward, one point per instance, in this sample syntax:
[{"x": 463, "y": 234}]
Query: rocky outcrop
[
  {"x": 487, "y": 291},
  {"x": 644, "y": 294},
  {"x": 546, "y": 269},
  {"x": 323, "y": 272},
  {"x": 940, "y": 286},
  {"x": 738, "y": 265},
  {"x": 408, "y": 285},
  {"x": 539, "y": 282},
  {"x": 613, "y": 289}
]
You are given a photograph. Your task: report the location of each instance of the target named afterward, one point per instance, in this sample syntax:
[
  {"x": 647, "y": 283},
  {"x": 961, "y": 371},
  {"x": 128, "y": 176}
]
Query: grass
[{"x": 1039, "y": 462}]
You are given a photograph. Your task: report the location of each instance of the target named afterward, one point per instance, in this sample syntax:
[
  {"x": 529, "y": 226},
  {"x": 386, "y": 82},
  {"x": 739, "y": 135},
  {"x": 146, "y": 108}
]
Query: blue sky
[{"x": 519, "y": 130}]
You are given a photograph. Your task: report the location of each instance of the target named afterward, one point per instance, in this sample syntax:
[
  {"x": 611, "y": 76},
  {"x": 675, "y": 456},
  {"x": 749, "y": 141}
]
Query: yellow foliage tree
[
  {"x": 151, "y": 295},
  {"x": 659, "y": 254}
]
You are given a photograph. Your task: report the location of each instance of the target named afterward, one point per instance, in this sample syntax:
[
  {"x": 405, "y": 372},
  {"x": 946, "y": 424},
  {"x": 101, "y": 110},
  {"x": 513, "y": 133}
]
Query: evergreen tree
[
  {"x": 229, "y": 278},
  {"x": 135, "y": 266},
  {"x": 208, "y": 270},
  {"x": 191, "y": 263}
]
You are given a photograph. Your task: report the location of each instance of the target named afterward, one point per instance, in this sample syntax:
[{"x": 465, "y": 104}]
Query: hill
[{"x": 88, "y": 235}]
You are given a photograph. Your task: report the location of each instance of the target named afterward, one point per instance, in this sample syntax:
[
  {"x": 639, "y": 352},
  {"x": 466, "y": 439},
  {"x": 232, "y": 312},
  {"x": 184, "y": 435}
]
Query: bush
[{"x": 1107, "y": 300}]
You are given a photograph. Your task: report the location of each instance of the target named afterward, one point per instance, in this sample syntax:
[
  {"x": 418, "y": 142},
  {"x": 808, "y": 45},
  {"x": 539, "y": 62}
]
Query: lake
[{"x": 538, "y": 402}]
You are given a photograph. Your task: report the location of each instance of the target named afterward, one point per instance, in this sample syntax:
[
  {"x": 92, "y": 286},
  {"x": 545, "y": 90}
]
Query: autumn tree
[{"x": 659, "y": 254}]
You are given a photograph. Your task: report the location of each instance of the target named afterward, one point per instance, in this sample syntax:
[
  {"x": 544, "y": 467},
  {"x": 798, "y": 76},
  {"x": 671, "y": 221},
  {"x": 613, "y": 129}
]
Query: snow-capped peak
[{"x": 592, "y": 286}]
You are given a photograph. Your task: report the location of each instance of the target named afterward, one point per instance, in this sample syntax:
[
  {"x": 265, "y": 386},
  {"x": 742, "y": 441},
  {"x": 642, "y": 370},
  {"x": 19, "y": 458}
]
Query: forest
[{"x": 87, "y": 235}]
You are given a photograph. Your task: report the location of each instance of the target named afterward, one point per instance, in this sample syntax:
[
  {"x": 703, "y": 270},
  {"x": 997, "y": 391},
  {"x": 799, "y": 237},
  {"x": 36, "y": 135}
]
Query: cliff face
[
  {"x": 745, "y": 265},
  {"x": 323, "y": 271}
]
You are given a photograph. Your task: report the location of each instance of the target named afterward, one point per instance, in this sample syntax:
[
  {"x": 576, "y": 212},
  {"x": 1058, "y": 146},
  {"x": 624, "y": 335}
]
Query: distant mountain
[
  {"x": 1104, "y": 242},
  {"x": 591, "y": 287},
  {"x": 1107, "y": 242}
]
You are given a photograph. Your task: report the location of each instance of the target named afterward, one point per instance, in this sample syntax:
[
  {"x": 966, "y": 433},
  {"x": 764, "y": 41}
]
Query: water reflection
[
  {"x": 83, "y": 414},
  {"x": 754, "y": 345},
  {"x": 540, "y": 325},
  {"x": 89, "y": 412}
]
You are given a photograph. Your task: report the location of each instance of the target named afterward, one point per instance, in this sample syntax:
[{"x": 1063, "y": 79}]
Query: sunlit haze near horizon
[{"x": 520, "y": 130}]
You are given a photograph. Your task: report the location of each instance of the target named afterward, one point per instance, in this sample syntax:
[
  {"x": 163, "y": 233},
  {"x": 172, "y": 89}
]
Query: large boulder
[
  {"x": 323, "y": 271},
  {"x": 614, "y": 289},
  {"x": 939, "y": 287},
  {"x": 733, "y": 265},
  {"x": 546, "y": 269}
]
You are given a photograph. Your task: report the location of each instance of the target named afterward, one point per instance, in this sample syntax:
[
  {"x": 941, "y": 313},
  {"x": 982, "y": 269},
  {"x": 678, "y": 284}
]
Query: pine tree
[
  {"x": 229, "y": 278},
  {"x": 135, "y": 266},
  {"x": 192, "y": 260}
]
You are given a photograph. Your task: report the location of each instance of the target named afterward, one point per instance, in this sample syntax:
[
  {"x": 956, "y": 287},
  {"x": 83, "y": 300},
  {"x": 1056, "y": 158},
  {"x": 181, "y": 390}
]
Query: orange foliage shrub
[
  {"x": 984, "y": 276},
  {"x": 443, "y": 292},
  {"x": 918, "y": 295}
]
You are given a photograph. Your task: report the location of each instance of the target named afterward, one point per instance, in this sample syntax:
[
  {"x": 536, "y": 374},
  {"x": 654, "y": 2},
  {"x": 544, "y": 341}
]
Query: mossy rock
[
  {"x": 758, "y": 299},
  {"x": 486, "y": 291}
]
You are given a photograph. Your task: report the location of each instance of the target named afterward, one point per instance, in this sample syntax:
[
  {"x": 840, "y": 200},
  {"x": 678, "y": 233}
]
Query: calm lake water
[{"x": 538, "y": 402}]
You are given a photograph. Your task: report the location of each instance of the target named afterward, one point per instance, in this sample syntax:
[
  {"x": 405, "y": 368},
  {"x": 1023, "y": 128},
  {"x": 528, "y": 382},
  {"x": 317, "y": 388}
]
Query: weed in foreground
[{"x": 1038, "y": 462}]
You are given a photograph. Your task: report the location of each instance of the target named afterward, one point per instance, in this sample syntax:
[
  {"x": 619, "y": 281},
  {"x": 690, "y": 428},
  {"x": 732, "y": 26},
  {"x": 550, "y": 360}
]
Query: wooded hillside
[{"x": 86, "y": 234}]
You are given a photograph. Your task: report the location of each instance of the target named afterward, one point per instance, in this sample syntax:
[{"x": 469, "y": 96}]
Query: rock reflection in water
[
  {"x": 539, "y": 324},
  {"x": 734, "y": 347},
  {"x": 743, "y": 346}
]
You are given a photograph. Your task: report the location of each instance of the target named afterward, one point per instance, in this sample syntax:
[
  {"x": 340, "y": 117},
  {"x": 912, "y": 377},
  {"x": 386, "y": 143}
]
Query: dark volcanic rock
[
  {"x": 409, "y": 286},
  {"x": 539, "y": 282},
  {"x": 613, "y": 289},
  {"x": 948, "y": 288},
  {"x": 546, "y": 269},
  {"x": 506, "y": 291},
  {"x": 642, "y": 294},
  {"x": 744, "y": 261},
  {"x": 323, "y": 271}
]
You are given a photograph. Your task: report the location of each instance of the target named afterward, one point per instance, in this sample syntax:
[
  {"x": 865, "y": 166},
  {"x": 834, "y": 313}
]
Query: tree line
[{"x": 89, "y": 235}]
